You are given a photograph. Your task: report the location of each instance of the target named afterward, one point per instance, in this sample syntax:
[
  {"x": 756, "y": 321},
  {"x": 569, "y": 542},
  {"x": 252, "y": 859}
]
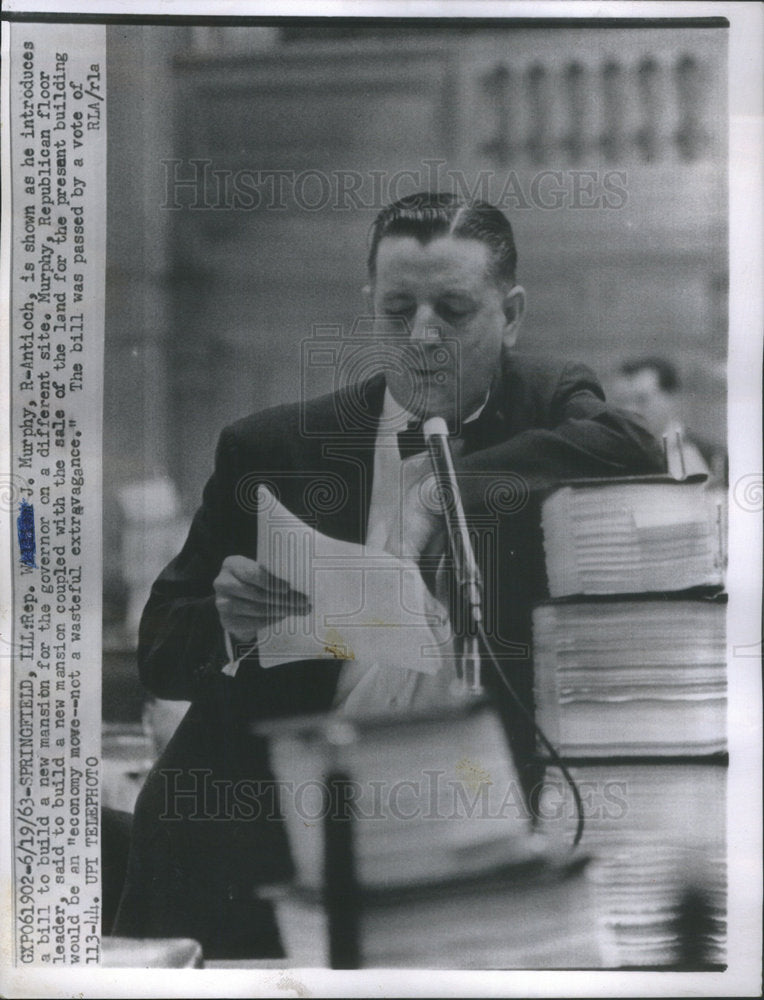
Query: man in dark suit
[{"x": 442, "y": 290}]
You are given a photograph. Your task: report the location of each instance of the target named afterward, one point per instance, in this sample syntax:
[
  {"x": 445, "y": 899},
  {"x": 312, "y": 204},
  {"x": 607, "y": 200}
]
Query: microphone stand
[{"x": 466, "y": 570}]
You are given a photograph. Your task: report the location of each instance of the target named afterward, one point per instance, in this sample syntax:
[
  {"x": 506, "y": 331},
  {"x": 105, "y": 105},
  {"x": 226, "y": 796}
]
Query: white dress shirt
[{"x": 381, "y": 688}]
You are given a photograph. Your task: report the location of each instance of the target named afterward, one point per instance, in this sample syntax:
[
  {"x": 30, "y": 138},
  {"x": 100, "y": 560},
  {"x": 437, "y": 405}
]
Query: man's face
[
  {"x": 641, "y": 393},
  {"x": 448, "y": 319}
]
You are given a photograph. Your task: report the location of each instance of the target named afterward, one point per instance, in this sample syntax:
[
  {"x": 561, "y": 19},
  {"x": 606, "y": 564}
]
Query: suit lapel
[
  {"x": 344, "y": 458},
  {"x": 490, "y": 426}
]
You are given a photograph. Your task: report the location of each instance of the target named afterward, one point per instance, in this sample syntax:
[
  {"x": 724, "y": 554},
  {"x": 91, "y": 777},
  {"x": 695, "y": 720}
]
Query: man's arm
[
  {"x": 181, "y": 647},
  {"x": 576, "y": 435},
  {"x": 583, "y": 437}
]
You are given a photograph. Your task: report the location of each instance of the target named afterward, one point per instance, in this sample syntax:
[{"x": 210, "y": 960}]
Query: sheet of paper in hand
[{"x": 368, "y": 607}]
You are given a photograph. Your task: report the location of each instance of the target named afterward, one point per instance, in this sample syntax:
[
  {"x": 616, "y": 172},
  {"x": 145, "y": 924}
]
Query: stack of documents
[
  {"x": 525, "y": 916},
  {"x": 429, "y": 796},
  {"x": 662, "y": 906},
  {"x": 656, "y": 831},
  {"x": 682, "y": 802},
  {"x": 630, "y": 688},
  {"x": 624, "y": 536},
  {"x": 631, "y": 676}
]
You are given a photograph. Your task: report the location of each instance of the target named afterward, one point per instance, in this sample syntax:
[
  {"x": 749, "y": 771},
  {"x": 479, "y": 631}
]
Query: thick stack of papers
[
  {"x": 618, "y": 537},
  {"x": 653, "y": 914},
  {"x": 524, "y": 917},
  {"x": 429, "y": 796},
  {"x": 679, "y": 802},
  {"x": 631, "y": 676},
  {"x": 630, "y": 687},
  {"x": 657, "y": 833}
]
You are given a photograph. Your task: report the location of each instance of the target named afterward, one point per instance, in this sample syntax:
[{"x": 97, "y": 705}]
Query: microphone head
[{"x": 435, "y": 426}]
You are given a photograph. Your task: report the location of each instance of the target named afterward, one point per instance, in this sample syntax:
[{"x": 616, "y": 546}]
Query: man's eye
[{"x": 454, "y": 313}]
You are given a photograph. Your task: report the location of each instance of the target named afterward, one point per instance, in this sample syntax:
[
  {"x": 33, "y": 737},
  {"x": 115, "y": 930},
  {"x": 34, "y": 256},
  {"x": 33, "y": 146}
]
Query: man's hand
[{"x": 248, "y": 598}]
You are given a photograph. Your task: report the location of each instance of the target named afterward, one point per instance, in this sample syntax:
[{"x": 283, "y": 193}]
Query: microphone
[{"x": 469, "y": 583}]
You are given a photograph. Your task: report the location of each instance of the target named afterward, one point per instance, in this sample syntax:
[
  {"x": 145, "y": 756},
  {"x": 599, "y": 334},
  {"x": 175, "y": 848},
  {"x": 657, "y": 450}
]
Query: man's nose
[{"x": 426, "y": 325}]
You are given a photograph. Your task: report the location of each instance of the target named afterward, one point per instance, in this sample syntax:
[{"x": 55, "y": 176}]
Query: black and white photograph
[{"x": 383, "y": 498}]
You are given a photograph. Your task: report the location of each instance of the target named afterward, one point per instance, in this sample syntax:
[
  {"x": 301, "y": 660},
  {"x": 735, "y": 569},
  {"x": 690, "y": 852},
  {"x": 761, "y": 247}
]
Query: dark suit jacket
[{"x": 543, "y": 422}]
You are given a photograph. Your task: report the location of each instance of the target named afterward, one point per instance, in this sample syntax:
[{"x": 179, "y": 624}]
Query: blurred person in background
[{"x": 651, "y": 387}]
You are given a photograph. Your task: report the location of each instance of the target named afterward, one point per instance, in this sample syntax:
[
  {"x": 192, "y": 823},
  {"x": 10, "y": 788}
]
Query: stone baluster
[
  {"x": 537, "y": 136},
  {"x": 691, "y": 135},
  {"x": 650, "y": 138},
  {"x": 500, "y": 143},
  {"x": 612, "y": 139},
  {"x": 574, "y": 85}
]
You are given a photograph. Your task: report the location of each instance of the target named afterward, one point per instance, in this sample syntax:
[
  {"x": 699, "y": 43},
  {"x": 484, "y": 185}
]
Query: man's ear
[{"x": 514, "y": 311}]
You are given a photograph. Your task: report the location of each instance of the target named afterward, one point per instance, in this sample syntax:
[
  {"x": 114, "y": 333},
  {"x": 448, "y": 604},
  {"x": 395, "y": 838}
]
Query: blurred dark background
[{"x": 210, "y": 303}]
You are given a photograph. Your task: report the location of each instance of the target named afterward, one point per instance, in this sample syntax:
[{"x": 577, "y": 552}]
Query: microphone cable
[{"x": 555, "y": 758}]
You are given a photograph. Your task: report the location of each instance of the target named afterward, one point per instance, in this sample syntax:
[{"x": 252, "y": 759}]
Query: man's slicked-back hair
[{"x": 427, "y": 216}]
